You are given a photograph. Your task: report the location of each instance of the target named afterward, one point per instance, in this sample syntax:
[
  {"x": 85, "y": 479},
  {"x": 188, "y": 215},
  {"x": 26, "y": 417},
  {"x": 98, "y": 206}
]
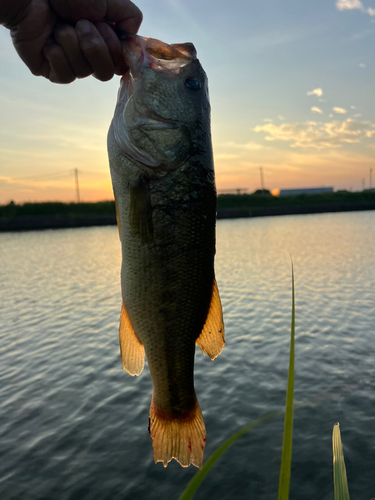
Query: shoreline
[{"x": 65, "y": 221}]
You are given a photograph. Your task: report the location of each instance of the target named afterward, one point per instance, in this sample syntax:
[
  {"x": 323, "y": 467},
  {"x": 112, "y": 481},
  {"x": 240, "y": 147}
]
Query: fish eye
[{"x": 193, "y": 84}]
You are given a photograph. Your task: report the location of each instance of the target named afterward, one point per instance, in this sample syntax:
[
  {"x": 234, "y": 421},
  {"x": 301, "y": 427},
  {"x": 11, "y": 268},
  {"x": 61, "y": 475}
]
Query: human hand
[{"x": 67, "y": 39}]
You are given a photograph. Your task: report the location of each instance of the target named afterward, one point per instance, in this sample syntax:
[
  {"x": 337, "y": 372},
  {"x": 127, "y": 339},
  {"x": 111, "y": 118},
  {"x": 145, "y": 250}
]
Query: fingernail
[{"x": 83, "y": 27}]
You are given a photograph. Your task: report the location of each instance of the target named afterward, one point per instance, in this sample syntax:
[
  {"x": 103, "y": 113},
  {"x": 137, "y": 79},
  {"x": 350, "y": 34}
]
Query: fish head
[{"x": 162, "y": 106}]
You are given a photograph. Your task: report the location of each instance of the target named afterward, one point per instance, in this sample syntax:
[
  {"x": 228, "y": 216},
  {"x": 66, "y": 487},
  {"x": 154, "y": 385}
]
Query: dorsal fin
[
  {"x": 212, "y": 338},
  {"x": 132, "y": 350}
]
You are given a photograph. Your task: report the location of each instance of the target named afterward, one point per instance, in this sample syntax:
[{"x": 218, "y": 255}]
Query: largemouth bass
[{"x": 161, "y": 163}]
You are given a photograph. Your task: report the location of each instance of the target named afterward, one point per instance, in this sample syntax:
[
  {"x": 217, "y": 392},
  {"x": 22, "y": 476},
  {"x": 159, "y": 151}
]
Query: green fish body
[{"x": 161, "y": 163}]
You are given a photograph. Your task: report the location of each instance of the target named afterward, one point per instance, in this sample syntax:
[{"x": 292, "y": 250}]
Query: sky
[{"x": 292, "y": 86}]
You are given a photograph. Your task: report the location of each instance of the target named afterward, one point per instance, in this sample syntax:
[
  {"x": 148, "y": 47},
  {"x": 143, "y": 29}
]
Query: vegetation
[
  {"x": 56, "y": 208},
  {"x": 258, "y": 199}
]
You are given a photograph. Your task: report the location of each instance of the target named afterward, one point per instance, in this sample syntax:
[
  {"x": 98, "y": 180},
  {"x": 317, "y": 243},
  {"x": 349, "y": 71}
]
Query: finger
[
  {"x": 114, "y": 46},
  {"x": 125, "y": 14},
  {"x": 67, "y": 38},
  {"x": 30, "y": 36},
  {"x": 60, "y": 72},
  {"x": 95, "y": 50}
]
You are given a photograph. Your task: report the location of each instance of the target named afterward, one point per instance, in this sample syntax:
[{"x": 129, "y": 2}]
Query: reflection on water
[{"x": 73, "y": 424}]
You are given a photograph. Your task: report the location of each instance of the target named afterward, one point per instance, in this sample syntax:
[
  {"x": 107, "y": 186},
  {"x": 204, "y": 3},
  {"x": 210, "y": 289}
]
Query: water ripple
[{"x": 73, "y": 424}]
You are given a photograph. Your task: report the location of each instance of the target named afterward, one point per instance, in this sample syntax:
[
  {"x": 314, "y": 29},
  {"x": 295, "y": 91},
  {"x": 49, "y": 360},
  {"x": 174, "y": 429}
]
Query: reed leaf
[
  {"x": 196, "y": 481},
  {"x": 340, "y": 482},
  {"x": 286, "y": 456}
]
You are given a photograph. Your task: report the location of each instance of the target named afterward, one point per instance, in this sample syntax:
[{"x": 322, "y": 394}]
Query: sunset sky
[{"x": 292, "y": 89}]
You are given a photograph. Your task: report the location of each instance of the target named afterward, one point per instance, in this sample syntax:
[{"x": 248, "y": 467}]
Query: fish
[{"x": 162, "y": 170}]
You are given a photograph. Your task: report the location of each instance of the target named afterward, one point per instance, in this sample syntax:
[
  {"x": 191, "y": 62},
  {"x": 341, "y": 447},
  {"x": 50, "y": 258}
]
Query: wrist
[{"x": 12, "y": 12}]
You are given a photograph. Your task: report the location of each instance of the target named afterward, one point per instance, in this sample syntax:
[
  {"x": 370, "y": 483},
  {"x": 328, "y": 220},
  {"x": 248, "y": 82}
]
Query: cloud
[
  {"x": 353, "y": 107},
  {"x": 318, "y": 135},
  {"x": 357, "y": 115},
  {"x": 362, "y": 65},
  {"x": 250, "y": 146},
  {"x": 318, "y": 92},
  {"x": 225, "y": 156},
  {"x": 281, "y": 117},
  {"x": 314, "y": 109},
  {"x": 354, "y": 5},
  {"x": 340, "y": 111},
  {"x": 268, "y": 120},
  {"x": 349, "y": 4}
]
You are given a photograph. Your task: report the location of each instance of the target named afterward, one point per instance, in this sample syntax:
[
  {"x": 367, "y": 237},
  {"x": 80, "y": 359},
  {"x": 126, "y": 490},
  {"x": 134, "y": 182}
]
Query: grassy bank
[{"x": 258, "y": 199}]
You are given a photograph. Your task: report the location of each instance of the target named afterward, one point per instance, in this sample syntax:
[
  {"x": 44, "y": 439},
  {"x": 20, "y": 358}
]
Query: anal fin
[
  {"x": 132, "y": 350},
  {"x": 212, "y": 338}
]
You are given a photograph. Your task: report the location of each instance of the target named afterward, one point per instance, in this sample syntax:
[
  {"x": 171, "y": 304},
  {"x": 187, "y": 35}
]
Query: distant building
[
  {"x": 233, "y": 191},
  {"x": 294, "y": 192}
]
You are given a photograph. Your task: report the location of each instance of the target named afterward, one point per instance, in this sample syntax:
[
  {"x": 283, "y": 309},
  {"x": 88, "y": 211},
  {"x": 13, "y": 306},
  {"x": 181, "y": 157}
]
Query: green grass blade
[
  {"x": 196, "y": 481},
  {"x": 340, "y": 482},
  {"x": 194, "y": 484},
  {"x": 286, "y": 456}
]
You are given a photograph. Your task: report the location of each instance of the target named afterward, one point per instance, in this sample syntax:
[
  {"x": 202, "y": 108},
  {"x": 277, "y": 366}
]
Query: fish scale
[{"x": 161, "y": 163}]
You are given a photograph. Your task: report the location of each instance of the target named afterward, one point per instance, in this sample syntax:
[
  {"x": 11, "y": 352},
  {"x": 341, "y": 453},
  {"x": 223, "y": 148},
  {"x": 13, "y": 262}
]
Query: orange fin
[
  {"x": 180, "y": 437},
  {"x": 212, "y": 338},
  {"x": 132, "y": 350}
]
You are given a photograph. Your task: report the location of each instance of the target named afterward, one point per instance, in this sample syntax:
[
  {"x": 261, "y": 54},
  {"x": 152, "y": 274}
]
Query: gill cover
[{"x": 132, "y": 126}]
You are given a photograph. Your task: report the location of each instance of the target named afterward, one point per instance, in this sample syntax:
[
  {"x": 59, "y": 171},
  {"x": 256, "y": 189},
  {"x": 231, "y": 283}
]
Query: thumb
[{"x": 125, "y": 14}]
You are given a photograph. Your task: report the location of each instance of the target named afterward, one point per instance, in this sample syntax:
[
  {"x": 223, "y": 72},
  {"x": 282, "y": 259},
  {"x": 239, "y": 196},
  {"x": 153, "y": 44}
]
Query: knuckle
[
  {"x": 103, "y": 77},
  {"x": 62, "y": 79},
  {"x": 64, "y": 33}
]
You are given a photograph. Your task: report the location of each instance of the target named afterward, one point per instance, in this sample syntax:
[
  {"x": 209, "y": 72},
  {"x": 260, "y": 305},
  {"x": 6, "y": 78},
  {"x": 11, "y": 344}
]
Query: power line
[{"x": 40, "y": 177}]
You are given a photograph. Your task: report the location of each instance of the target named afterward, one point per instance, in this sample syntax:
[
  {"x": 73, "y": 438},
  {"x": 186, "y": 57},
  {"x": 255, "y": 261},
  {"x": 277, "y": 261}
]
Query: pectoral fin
[
  {"x": 212, "y": 338},
  {"x": 132, "y": 350}
]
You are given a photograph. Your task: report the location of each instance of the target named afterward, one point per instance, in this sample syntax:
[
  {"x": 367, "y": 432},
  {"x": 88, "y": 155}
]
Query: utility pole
[
  {"x": 77, "y": 185},
  {"x": 261, "y": 178},
  {"x": 370, "y": 178}
]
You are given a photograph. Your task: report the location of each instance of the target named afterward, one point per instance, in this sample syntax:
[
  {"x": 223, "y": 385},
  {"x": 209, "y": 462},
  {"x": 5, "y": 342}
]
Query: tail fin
[{"x": 180, "y": 437}]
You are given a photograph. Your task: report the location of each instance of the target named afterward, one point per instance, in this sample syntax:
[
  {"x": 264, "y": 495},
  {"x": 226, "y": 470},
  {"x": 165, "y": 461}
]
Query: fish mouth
[{"x": 140, "y": 52}]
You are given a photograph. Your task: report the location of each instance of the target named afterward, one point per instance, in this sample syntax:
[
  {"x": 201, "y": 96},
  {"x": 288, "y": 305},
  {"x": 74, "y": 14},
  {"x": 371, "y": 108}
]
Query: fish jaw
[{"x": 140, "y": 53}]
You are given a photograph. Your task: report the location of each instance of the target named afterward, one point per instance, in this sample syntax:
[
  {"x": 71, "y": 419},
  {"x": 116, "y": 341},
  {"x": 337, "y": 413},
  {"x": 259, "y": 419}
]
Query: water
[{"x": 73, "y": 424}]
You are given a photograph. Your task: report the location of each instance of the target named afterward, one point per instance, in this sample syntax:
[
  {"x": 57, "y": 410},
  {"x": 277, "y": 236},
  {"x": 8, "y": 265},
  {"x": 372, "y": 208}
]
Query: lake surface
[{"x": 73, "y": 424}]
